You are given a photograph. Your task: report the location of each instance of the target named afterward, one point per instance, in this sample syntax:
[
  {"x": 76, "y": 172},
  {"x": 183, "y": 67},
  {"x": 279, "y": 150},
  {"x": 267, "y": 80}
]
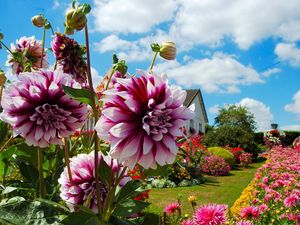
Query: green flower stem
[
  {"x": 6, "y": 143},
  {"x": 41, "y": 172},
  {"x": 43, "y": 43},
  {"x": 109, "y": 78},
  {"x": 6, "y": 48},
  {"x": 153, "y": 61},
  {"x": 95, "y": 112},
  {"x": 67, "y": 158}
]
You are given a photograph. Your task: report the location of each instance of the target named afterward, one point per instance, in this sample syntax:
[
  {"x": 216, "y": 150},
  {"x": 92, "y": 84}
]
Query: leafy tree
[{"x": 234, "y": 126}]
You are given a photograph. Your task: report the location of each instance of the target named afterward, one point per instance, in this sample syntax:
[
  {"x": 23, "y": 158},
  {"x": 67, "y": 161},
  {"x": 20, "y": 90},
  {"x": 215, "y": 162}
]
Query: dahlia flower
[
  {"x": 39, "y": 110},
  {"x": 291, "y": 201},
  {"x": 83, "y": 191},
  {"x": 187, "y": 222},
  {"x": 26, "y": 55},
  {"x": 250, "y": 212},
  {"x": 172, "y": 208},
  {"x": 141, "y": 118},
  {"x": 246, "y": 222},
  {"x": 211, "y": 214},
  {"x": 69, "y": 57}
]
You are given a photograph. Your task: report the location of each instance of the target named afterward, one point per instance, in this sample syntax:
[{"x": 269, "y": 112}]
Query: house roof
[{"x": 191, "y": 95}]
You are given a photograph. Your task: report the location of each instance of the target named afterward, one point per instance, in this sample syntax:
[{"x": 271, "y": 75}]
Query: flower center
[
  {"x": 156, "y": 122},
  {"x": 49, "y": 115},
  {"x": 89, "y": 190}
]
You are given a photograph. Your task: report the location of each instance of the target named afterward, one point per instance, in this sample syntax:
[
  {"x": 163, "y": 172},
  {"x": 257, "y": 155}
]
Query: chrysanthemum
[
  {"x": 246, "y": 222},
  {"x": 27, "y": 55},
  {"x": 211, "y": 214},
  {"x": 39, "y": 110},
  {"x": 250, "y": 212},
  {"x": 141, "y": 118},
  {"x": 172, "y": 208},
  {"x": 291, "y": 201},
  {"x": 187, "y": 222},
  {"x": 83, "y": 191},
  {"x": 69, "y": 57}
]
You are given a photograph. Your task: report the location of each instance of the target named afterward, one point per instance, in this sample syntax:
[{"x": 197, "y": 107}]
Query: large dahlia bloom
[
  {"x": 83, "y": 191},
  {"x": 27, "y": 55},
  {"x": 250, "y": 212},
  {"x": 69, "y": 57},
  {"x": 211, "y": 214},
  {"x": 141, "y": 118},
  {"x": 39, "y": 110}
]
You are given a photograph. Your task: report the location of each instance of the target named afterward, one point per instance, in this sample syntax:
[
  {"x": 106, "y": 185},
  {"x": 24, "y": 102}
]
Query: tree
[{"x": 234, "y": 126}]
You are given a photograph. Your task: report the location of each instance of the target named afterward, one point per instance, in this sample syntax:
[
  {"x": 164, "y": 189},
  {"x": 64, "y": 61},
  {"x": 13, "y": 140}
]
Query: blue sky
[{"x": 235, "y": 51}]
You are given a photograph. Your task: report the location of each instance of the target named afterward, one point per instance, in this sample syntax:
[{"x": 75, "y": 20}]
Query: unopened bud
[
  {"x": 75, "y": 17},
  {"x": 38, "y": 21},
  {"x": 2, "y": 78},
  {"x": 1, "y": 36},
  {"x": 168, "y": 50}
]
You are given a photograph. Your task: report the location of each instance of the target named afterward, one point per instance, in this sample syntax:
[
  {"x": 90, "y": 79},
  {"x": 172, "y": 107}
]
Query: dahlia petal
[
  {"x": 121, "y": 130},
  {"x": 38, "y": 133},
  {"x": 146, "y": 160},
  {"x": 170, "y": 143},
  {"x": 131, "y": 146},
  {"x": 147, "y": 145},
  {"x": 175, "y": 131},
  {"x": 157, "y": 137}
]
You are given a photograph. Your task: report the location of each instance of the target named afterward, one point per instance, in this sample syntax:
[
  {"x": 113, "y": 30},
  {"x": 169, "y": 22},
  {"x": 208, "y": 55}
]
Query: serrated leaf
[{"x": 81, "y": 95}]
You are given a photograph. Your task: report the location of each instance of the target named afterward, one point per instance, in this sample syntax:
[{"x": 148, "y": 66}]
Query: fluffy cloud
[
  {"x": 270, "y": 72},
  {"x": 206, "y": 22},
  {"x": 134, "y": 16},
  {"x": 288, "y": 52},
  {"x": 262, "y": 113},
  {"x": 291, "y": 127},
  {"x": 96, "y": 77},
  {"x": 214, "y": 109},
  {"x": 219, "y": 74},
  {"x": 295, "y": 106}
]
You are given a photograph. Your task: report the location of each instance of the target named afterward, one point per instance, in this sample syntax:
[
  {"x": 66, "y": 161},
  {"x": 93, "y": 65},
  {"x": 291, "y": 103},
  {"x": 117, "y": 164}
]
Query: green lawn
[{"x": 224, "y": 190}]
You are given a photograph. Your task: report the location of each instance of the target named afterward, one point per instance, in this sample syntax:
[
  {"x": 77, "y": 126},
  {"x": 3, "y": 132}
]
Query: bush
[
  {"x": 215, "y": 165},
  {"x": 223, "y": 153},
  {"x": 245, "y": 159},
  {"x": 236, "y": 153}
]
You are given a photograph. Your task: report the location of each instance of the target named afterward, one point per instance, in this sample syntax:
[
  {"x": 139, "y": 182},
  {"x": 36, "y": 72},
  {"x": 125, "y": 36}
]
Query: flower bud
[
  {"x": 1, "y": 36},
  {"x": 76, "y": 19},
  {"x": 192, "y": 198},
  {"x": 38, "y": 21},
  {"x": 2, "y": 78},
  {"x": 168, "y": 50}
]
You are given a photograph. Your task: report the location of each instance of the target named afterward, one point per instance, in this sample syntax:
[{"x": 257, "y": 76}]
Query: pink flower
[
  {"x": 246, "y": 222},
  {"x": 187, "y": 222},
  {"x": 69, "y": 56},
  {"x": 172, "y": 208},
  {"x": 291, "y": 201},
  {"x": 28, "y": 54},
  {"x": 250, "y": 212},
  {"x": 210, "y": 214},
  {"x": 83, "y": 191},
  {"x": 38, "y": 109},
  {"x": 141, "y": 118},
  {"x": 263, "y": 207}
]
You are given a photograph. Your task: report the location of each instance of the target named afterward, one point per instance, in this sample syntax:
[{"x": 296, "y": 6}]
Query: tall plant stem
[
  {"x": 153, "y": 61},
  {"x": 67, "y": 158},
  {"x": 43, "y": 44},
  {"x": 6, "y": 143},
  {"x": 95, "y": 112},
  {"x": 41, "y": 172},
  {"x": 6, "y": 48}
]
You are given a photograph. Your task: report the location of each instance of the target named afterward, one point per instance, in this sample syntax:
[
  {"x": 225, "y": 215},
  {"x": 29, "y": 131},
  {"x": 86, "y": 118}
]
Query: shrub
[
  {"x": 215, "y": 165},
  {"x": 223, "y": 153},
  {"x": 245, "y": 159},
  {"x": 236, "y": 153}
]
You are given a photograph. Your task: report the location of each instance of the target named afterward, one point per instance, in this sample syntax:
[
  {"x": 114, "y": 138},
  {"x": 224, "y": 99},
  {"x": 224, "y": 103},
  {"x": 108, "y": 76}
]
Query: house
[{"x": 195, "y": 102}]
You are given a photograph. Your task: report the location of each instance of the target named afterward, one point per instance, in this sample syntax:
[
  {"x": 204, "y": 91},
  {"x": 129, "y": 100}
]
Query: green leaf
[
  {"x": 129, "y": 207},
  {"x": 117, "y": 221},
  {"x": 105, "y": 172},
  {"x": 18, "y": 211},
  {"x": 130, "y": 190},
  {"x": 82, "y": 218},
  {"x": 30, "y": 173},
  {"x": 81, "y": 95},
  {"x": 159, "y": 171}
]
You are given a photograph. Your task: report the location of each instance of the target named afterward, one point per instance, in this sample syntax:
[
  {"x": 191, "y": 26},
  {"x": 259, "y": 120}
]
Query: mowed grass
[{"x": 221, "y": 190}]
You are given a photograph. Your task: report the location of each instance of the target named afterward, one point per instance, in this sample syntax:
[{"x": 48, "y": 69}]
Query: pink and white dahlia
[
  {"x": 27, "y": 55},
  {"x": 83, "y": 190},
  {"x": 141, "y": 118},
  {"x": 250, "y": 212},
  {"x": 69, "y": 57},
  {"x": 39, "y": 110},
  {"x": 211, "y": 214},
  {"x": 172, "y": 208}
]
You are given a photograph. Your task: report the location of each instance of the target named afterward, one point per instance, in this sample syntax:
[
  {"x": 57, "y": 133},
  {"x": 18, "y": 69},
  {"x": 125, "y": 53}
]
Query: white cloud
[
  {"x": 219, "y": 74},
  {"x": 214, "y": 109},
  {"x": 262, "y": 113},
  {"x": 56, "y": 4},
  {"x": 295, "y": 106},
  {"x": 270, "y": 72},
  {"x": 133, "y": 16},
  {"x": 291, "y": 127},
  {"x": 96, "y": 77},
  {"x": 288, "y": 52}
]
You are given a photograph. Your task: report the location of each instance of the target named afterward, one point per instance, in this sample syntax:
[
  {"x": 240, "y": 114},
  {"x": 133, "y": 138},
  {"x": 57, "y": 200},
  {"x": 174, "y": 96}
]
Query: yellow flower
[{"x": 192, "y": 198}]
